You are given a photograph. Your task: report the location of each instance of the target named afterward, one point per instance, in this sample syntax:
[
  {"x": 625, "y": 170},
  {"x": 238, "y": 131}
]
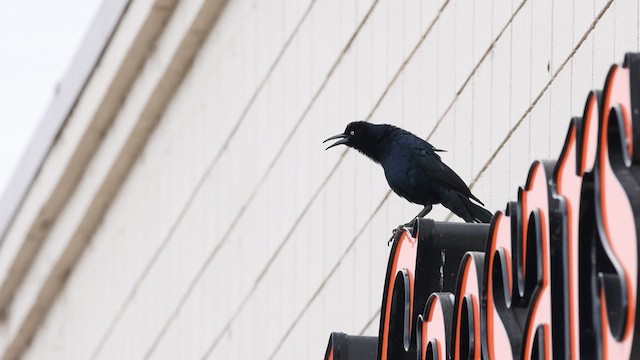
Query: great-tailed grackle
[{"x": 413, "y": 169}]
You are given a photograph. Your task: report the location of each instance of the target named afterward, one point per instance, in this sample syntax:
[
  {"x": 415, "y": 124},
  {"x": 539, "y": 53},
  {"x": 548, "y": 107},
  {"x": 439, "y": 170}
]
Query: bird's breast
[{"x": 410, "y": 182}]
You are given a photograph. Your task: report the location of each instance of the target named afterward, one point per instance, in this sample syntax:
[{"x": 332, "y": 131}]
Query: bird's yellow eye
[{"x": 352, "y": 133}]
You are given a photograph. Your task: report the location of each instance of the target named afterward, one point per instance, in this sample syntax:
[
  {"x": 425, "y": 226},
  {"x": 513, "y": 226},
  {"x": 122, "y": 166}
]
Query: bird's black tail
[
  {"x": 478, "y": 213},
  {"x": 467, "y": 210}
]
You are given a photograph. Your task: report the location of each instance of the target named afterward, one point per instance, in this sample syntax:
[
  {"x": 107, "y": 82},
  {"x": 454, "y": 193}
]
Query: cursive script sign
[{"x": 554, "y": 276}]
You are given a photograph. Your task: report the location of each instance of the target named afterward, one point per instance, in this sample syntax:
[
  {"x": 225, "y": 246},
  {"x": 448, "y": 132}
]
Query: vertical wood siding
[{"x": 237, "y": 236}]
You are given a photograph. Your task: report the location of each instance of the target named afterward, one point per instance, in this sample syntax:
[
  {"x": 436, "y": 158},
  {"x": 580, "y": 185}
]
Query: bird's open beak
[{"x": 343, "y": 140}]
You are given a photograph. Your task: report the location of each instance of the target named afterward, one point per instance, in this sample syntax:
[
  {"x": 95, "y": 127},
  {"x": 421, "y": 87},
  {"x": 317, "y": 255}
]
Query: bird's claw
[
  {"x": 391, "y": 238},
  {"x": 396, "y": 233}
]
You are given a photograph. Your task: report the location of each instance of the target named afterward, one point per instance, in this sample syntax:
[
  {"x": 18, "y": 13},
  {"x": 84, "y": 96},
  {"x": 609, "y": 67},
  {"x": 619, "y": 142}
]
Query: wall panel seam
[{"x": 112, "y": 325}]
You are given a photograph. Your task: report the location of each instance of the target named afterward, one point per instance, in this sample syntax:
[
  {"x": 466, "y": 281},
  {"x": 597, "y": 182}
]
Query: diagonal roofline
[{"x": 65, "y": 98}]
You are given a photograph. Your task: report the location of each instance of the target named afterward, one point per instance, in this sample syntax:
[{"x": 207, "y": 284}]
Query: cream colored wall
[{"x": 237, "y": 236}]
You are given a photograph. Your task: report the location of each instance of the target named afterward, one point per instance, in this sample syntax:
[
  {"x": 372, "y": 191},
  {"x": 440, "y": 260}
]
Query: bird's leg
[
  {"x": 425, "y": 211},
  {"x": 421, "y": 214}
]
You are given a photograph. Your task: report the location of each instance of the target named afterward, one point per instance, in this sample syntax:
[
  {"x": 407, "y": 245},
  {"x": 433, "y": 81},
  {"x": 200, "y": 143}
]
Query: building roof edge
[{"x": 66, "y": 96}]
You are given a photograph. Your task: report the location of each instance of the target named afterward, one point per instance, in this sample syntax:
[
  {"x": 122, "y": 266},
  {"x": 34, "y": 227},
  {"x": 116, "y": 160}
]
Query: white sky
[{"x": 38, "y": 39}]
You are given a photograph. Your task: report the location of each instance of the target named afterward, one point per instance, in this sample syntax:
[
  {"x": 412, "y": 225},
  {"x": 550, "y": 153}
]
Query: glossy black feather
[{"x": 413, "y": 168}]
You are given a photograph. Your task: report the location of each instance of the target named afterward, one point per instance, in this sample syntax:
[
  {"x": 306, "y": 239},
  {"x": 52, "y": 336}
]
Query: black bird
[{"x": 413, "y": 169}]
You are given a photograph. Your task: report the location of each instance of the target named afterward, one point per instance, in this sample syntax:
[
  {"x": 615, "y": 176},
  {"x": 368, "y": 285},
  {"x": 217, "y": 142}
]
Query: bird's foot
[{"x": 398, "y": 231}]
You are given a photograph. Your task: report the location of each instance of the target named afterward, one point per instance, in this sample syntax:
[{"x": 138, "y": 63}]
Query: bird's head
[
  {"x": 355, "y": 134},
  {"x": 362, "y": 136}
]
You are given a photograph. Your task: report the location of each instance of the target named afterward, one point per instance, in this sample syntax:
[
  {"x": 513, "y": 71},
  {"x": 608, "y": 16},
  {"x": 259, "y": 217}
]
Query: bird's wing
[{"x": 441, "y": 173}]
